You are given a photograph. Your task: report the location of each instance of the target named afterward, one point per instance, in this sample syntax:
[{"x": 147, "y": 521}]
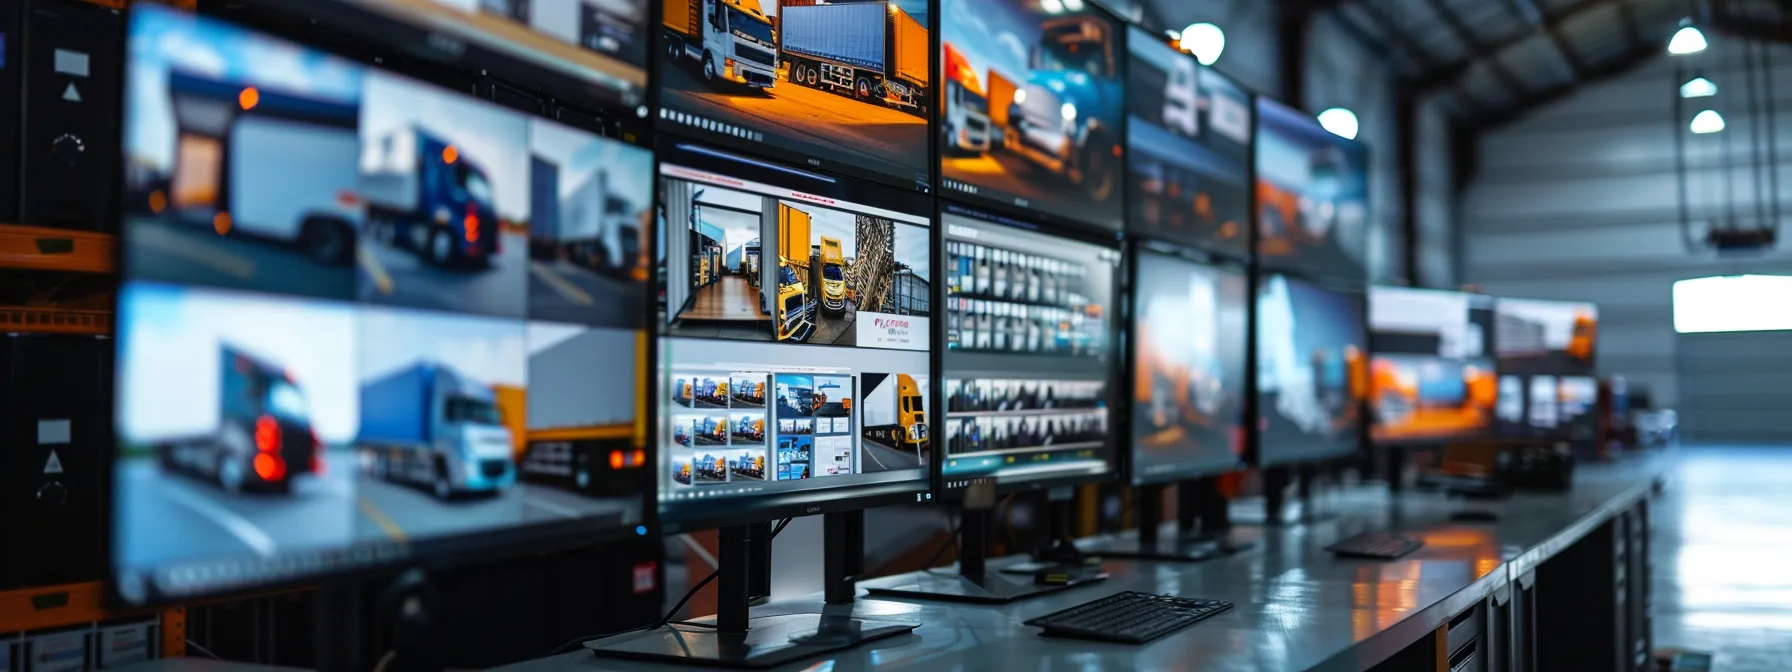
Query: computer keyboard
[
  {"x": 1129, "y": 617},
  {"x": 1375, "y": 546}
]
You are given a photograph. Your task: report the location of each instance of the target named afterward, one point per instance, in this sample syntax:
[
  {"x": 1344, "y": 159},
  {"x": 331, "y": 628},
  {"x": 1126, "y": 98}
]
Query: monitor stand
[
  {"x": 1058, "y": 567},
  {"x": 1275, "y": 483},
  {"x": 1199, "y": 504},
  {"x": 739, "y": 640}
]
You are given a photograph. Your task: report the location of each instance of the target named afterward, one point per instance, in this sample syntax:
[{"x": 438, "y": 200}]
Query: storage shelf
[
  {"x": 47, "y": 320},
  {"x": 36, "y": 248}
]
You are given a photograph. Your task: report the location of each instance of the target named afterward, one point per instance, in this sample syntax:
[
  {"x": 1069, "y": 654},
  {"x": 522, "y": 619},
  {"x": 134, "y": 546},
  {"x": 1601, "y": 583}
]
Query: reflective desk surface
[{"x": 1297, "y": 607}]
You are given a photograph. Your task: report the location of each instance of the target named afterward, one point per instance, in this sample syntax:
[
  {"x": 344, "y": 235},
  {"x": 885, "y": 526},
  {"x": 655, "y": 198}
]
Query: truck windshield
[
  {"x": 467, "y": 409},
  {"x": 744, "y": 24},
  {"x": 832, "y": 272},
  {"x": 474, "y": 182},
  {"x": 794, "y": 304},
  {"x": 286, "y": 401},
  {"x": 1074, "y": 55},
  {"x": 787, "y": 276}
]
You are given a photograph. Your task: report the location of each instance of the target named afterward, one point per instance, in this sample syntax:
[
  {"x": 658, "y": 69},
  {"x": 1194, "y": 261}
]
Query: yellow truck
[
  {"x": 833, "y": 276},
  {"x": 794, "y": 323},
  {"x": 896, "y": 415}
]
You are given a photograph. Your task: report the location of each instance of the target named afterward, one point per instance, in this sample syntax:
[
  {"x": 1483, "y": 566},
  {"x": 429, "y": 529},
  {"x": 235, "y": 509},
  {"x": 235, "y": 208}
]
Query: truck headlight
[
  {"x": 1068, "y": 111},
  {"x": 1020, "y": 96}
]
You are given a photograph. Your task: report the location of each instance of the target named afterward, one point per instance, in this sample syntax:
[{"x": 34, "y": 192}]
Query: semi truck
[
  {"x": 428, "y": 424},
  {"x": 590, "y": 227},
  {"x": 425, "y": 194},
  {"x": 794, "y": 320},
  {"x": 895, "y": 414},
  {"x": 967, "y": 106},
  {"x": 833, "y": 276},
  {"x": 872, "y": 51},
  {"x": 284, "y": 171},
  {"x": 575, "y": 430},
  {"x": 264, "y": 437},
  {"x": 732, "y": 41},
  {"x": 1065, "y": 118}
]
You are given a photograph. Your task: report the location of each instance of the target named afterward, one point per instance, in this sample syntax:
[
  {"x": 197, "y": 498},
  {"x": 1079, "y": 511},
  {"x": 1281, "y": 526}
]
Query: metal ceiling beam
[
  {"x": 1632, "y": 58},
  {"x": 1551, "y": 21},
  {"x": 1481, "y": 51},
  {"x": 1397, "y": 35},
  {"x": 1627, "y": 16},
  {"x": 1532, "y": 14}
]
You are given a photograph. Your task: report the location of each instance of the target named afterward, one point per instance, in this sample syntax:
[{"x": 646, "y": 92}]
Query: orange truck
[{"x": 966, "y": 120}]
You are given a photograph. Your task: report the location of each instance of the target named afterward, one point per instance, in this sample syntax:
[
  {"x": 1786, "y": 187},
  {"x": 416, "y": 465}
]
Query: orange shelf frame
[
  {"x": 37, "y": 248},
  {"x": 53, "y": 607},
  {"x": 48, "y": 320}
]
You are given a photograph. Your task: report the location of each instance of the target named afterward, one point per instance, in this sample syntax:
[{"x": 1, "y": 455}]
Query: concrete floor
[{"x": 1723, "y": 556}]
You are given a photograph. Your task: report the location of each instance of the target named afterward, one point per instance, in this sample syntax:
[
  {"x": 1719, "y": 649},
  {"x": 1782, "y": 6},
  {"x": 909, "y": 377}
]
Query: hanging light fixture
[
  {"x": 1698, "y": 87},
  {"x": 1205, "y": 41},
  {"x": 1708, "y": 121},
  {"x": 1687, "y": 40},
  {"x": 1340, "y": 122}
]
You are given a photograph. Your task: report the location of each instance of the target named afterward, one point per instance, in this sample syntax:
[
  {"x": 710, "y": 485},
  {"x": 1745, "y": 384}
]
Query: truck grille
[
  {"x": 755, "y": 55},
  {"x": 494, "y": 468},
  {"x": 1042, "y": 107}
]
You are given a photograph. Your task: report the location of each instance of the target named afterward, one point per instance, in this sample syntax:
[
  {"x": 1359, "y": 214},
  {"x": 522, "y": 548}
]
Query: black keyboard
[
  {"x": 1375, "y": 546},
  {"x": 1129, "y": 617}
]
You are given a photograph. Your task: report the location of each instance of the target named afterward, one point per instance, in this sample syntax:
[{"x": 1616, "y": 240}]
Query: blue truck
[
  {"x": 426, "y": 194},
  {"x": 426, "y": 424},
  {"x": 1066, "y": 117}
]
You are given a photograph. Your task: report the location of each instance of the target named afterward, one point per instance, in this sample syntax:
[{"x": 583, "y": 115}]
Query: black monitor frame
[
  {"x": 678, "y": 151},
  {"x": 382, "y": 560},
  {"x": 954, "y": 489},
  {"x": 1254, "y": 436}
]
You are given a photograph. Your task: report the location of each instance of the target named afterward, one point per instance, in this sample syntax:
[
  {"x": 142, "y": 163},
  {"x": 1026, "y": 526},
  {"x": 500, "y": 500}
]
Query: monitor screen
[
  {"x": 1311, "y": 373},
  {"x": 796, "y": 378},
  {"x": 1028, "y": 333},
  {"x": 1432, "y": 375},
  {"x": 840, "y": 86},
  {"x": 330, "y": 355},
  {"x": 1190, "y": 322},
  {"x": 1188, "y": 137},
  {"x": 1539, "y": 343},
  {"x": 1312, "y": 196},
  {"x": 1032, "y": 107}
]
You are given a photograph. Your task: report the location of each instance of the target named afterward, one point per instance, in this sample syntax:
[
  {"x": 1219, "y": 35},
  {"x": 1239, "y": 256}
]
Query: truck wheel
[
  {"x": 674, "y": 49},
  {"x": 442, "y": 487},
  {"x": 709, "y": 68},
  {"x": 813, "y": 76},
  {"x": 441, "y": 247},
  {"x": 1095, "y": 171},
  {"x": 863, "y": 90},
  {"x": 230, "y": 474},
  {"x": 328, "y": 242}
]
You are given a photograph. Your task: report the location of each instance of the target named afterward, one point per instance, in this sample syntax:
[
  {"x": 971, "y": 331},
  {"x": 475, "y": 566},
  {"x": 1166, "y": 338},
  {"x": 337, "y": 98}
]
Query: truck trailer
[
  {"x": 427, "y": 424},
  {"x": 872, "y": 51},
  {"x": 895, "y": 413},
  {"x": 731, "y": 40},
  {"x": 425, "y": 194}
]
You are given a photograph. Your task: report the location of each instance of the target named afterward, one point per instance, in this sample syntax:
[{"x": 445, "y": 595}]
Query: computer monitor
[
  {"x": 1432, "y": 373},
  {"x": 1539, "y": 344},
  {"x": 1033, "y": 104},
  {"x": 1190, "y": 322},
  {"x": 842, "y": 87},
  {"x": 329, "y": 355},
  {"x": 1312, "y": 196},
  {"x": 1188, "y": 140},
  {"x": 1031, "y": 371},
  {"x": 795, "y": 368},
  {"x": 1312, "y": 376}
]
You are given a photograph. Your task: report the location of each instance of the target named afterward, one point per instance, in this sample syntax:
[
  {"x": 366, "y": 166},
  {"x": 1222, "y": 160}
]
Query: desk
[{"x": 1298, "y": 608}]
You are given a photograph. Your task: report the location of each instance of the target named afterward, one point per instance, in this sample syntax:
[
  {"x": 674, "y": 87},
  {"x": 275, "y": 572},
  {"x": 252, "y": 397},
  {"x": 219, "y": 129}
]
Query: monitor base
[
  {"x": 996, "y": 588},
  {"x": 769, "y": 641}
]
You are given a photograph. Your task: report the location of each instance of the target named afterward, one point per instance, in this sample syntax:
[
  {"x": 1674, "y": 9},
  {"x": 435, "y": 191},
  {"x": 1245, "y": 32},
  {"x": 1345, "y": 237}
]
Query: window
[{"x": 1733, "y": 303}]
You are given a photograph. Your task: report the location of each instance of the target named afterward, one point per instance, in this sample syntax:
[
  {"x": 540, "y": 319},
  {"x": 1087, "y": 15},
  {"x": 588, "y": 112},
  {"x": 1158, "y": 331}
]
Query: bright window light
[
  {"x": 1687, "y": 41},
  {"x": 1708, "y": 121},
  {"x": 1205, "y": 41},
  {"x": 1733, "y": 303},
  {"x": 1698, "y": 87},
  {"x": 1340, "y": 122}
]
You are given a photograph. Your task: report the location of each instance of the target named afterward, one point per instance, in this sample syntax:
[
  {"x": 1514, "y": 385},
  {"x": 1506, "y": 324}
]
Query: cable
[
  {"x": 951, "y": 542},
  {"x": 575, "y": 643},
  {"x": 208, "y": 652}
]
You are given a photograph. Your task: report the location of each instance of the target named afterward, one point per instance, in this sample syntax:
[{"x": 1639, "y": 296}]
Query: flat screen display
[
  {"x": 1312, "y": 196},
  {"x": 1189, "y": 368},
  {"x": 1032, "y": 107},
  {"x": 1188, "y": 138},
  {"x": 1312, "y": 375},
  {"x": 1432, "y": 375},
  {"x": 337, "y": 346},
  {"x": 797, "y": 313},
  {"x": 1539, "y": 343},
  {"x": 843, "y": 87},
  {"x": 1028, "y": 336}
]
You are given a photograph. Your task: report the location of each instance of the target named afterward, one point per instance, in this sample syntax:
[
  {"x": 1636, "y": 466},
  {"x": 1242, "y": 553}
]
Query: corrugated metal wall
[
  {"x": 1580, "y": 201},
  {"x": 1736, "y": 388}
]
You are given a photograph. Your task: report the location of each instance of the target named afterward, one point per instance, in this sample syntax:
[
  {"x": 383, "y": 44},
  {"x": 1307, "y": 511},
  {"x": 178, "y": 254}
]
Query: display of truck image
[
  {"x": 1062, "y": 118},
  {"x": 425, "y": 194},
  {"x": 895, "y": 415},
  {"x": 731, "y": 40},
  {"x": 264, "y": 437},
  {"x": 833, "y": 276},
  {"x": 967, "y": 106},
  {"x": 589, "y": 228},
  {"x": 872, "y": 51},
  {"x": 426, "y": 424},
  {"x": 221, "y": 178},
  {"x": 794, "y": 320}
]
